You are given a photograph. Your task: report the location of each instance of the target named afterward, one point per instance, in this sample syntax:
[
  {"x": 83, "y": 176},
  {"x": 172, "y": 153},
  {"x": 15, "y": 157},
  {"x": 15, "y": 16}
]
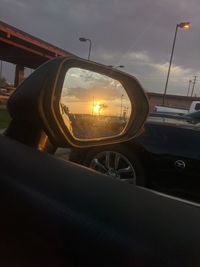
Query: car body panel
[
  {"x": 168, "y": 142},
  {"x": 79, "y": 215},
  {"x": 168, "y": 149}
]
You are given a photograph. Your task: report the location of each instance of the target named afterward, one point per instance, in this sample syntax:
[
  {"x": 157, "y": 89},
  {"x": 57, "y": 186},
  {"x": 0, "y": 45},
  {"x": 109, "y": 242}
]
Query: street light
[
  {"x": 182, "y": 25},
  {"x": 83, "y": 39},
  {"x": 119, "y": 66}
]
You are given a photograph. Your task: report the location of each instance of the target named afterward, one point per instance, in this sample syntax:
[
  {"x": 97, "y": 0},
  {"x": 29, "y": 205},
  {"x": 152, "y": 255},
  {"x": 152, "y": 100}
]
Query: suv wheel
[{"x": 120, "y": 163}]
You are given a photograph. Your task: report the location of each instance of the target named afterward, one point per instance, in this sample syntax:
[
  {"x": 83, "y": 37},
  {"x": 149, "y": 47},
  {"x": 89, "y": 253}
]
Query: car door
[
  {"x": 175, "y": 155},
  {"x": 56, "y": 213}
]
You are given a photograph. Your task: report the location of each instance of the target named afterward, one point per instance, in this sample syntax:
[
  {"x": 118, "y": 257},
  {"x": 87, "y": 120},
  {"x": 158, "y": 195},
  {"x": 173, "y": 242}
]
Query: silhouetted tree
[{"x": 3, "y": 82}]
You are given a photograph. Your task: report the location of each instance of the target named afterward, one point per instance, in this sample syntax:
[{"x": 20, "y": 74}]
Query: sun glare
[{"x": 97, "y": 108}]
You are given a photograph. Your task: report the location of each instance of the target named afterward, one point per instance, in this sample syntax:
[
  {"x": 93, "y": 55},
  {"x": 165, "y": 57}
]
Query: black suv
[{"x": 166, "y": 153}]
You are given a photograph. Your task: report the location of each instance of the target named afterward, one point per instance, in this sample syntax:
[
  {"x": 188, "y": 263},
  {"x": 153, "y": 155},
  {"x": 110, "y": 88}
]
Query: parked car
[
  {"x": 195, "y": 106},
  {"x": 166, "y": 153}
]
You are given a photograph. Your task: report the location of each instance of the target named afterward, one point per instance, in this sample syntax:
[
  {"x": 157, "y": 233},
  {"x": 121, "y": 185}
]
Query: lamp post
[
  {"x": 83, "y": 39},
  {"x": 182, "y": 25},
  {"x": 119, "y": 66}
]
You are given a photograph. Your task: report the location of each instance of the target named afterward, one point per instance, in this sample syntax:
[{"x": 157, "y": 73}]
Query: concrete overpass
[{"x": 25, "y": 50}]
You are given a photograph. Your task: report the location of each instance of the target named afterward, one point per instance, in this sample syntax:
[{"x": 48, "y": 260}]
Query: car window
[
  {"x": 197, "y": 107},
  {"x": 155, "y": 41}
]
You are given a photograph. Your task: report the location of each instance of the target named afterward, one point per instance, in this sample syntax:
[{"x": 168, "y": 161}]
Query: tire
[{"x": 130, "y": 167}]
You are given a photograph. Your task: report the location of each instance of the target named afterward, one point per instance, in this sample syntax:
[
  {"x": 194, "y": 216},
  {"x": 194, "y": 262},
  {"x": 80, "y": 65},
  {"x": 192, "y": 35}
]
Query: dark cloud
[{"x": 137, "y": 34}]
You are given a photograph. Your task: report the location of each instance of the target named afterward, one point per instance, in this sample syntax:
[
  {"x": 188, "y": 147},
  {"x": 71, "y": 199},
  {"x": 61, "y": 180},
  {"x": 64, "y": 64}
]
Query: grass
[{"x": 4, "y": 118}]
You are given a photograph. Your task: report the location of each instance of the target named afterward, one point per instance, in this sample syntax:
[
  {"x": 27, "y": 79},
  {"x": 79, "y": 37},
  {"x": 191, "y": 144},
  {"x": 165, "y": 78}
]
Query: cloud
[
  {"x": 137, "y": 34},
  {"x": 98, "y": 89},
  {"x": 177, "y": 71},
  {"x": 107, "y": 92},
  {"x": 80, "y": 84}
]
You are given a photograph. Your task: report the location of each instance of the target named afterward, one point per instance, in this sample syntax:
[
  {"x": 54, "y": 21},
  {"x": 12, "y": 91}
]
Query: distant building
[
  {"x": 155, "y": 99},
  {"x": 173, "y": 101}
]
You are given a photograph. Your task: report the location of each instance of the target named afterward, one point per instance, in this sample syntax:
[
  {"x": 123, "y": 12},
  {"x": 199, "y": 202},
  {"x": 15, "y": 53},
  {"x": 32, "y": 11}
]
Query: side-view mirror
[
  {"x": 93, "y": 105},
  {"x": 77, "y": 102}
]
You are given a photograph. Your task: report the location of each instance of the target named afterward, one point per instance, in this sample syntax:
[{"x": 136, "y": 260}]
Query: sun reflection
[{"x": 97, "y": 108}]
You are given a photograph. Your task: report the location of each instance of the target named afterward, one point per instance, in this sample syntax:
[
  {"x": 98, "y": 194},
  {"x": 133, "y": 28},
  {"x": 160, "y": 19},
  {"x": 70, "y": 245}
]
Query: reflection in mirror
[{"x": 93, "y": 105}]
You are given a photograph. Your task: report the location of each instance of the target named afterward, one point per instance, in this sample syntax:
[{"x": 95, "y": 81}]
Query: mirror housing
[{"x": 34, "y": 106}]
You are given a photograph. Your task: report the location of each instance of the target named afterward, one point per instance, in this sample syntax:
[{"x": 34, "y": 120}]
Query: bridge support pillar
[{"x": 19, "y": 75}]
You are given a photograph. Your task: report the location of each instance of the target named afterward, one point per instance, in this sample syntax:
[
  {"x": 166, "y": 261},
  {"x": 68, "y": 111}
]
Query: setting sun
[{"x": 97, "y": 108}]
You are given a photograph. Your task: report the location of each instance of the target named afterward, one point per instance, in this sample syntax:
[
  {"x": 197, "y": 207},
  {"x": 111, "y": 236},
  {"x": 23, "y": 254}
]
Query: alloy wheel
[{"x": 114, "y": 164}]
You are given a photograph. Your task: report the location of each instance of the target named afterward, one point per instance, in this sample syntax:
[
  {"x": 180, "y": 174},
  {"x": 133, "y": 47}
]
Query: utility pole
[
  {"x": 190, "y": 81},
  {"x": 194, "y": 82},
  {"x": 121, "y": 105},
  {"x": 92, "y": 105}
]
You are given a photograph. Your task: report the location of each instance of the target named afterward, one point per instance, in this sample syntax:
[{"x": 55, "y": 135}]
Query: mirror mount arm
[{"x": 30, "y": 135}]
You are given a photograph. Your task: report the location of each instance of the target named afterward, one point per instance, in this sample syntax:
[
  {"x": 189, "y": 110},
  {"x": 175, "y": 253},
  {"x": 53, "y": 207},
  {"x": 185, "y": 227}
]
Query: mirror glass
[{"x": 93, "y": 105}]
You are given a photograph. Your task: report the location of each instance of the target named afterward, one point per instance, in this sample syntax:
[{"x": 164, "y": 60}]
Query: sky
[
  {"x": 135, "y": 33},
  {"x": 86, "y": 91}
]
